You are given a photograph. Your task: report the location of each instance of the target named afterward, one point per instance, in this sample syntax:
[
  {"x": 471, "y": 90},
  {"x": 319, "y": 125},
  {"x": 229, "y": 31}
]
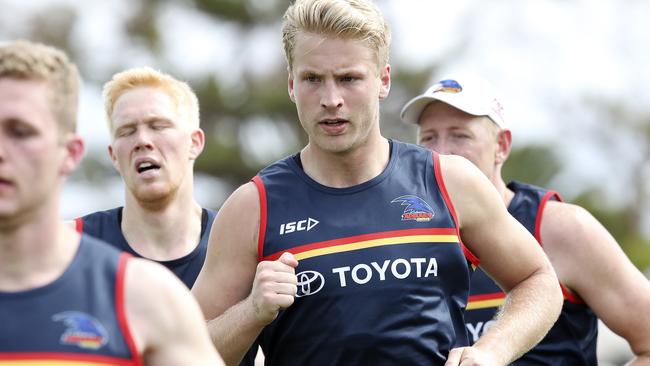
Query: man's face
[
  {"x": 154, "y": 144},
  {"x": 32, "y": 153},
  {"x": 337, "y": 86},
  {"x": 448, "y": 130}
]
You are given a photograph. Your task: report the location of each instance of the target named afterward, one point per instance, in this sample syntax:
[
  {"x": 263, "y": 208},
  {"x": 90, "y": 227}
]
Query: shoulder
[
  {"x": 149, "y": 277},
  {"x": 566, "y": 222},
  {"x": 457, "y": 168},
  {"x": 462, "y": 179},
  {"x": 147, "y": 285},
  {"x": 572, "y": 237},
  {"x": 157, "y": 304},
  {"x": 473, "y": 196},
  {"x": 239, "y": 218},
  {"x": 246, "y": 196}
]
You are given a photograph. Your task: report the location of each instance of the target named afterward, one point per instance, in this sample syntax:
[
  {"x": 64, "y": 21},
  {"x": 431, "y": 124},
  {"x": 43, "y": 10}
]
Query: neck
[
  {"x": 39, "y": 232},
  {"x": 349, "y": 168},
  {"x": 162, "y": 231},
  {"x": 505, "y": 193}
]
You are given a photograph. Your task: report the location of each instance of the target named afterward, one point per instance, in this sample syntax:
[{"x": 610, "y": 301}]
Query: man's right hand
[{"x": 274, "y": 287}]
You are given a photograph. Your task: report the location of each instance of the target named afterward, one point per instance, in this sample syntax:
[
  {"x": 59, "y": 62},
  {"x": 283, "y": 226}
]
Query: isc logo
[{"x": 302, "y": 225}]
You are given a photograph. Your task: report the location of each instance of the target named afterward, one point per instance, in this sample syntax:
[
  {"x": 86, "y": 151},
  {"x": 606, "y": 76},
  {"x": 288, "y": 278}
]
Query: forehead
[
  {"x": 142, "y": 103},
  {"x": 315, "y": 52},
  {"x": 25, "y": 99}
]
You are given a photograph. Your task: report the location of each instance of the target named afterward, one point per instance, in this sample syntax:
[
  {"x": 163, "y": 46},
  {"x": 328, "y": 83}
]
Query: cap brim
[{"x": 414, "y": 108}]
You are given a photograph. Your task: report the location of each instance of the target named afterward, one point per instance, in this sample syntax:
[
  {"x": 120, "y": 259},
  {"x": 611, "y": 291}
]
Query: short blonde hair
[
  {"x": 180, "y": 92},
  {"x": 36, "y": 61},
  {"x": 353, "y": 19}
]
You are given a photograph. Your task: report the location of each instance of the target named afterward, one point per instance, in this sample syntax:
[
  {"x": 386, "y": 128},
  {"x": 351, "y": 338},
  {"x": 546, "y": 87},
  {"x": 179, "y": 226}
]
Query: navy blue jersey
[
  {"x": 106, "y": 225},
  {"x": 572, "y": 340},
  {"x": 382, "y": 277},
  {"x": 78, "y": 319}
]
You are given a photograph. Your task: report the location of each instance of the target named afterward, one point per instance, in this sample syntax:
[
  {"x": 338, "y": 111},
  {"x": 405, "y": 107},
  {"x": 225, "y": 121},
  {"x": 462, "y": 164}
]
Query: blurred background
[{"x": 572, "y": 74}]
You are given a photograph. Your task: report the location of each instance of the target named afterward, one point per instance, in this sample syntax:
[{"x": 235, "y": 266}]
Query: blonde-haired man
[
  {"x": 356, "y": 250},
  {"x": 155, "y": 139},
  {"x": 461, "y": 114},
  {"x": 68, "y": 298}
]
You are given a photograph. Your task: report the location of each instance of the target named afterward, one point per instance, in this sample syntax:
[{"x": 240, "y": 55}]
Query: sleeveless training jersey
[
  {"x": 572, "y": 339},
  {"x": 106, "y": 225},
  {"x": 382, "y": 275},
  {"x": 78, "y": 319}
]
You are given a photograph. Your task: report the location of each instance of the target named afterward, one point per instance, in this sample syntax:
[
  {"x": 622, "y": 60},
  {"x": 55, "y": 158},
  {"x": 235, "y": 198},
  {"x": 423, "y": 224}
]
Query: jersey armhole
[
  {"x": 540, "y": 212},
  {"x": 120, "y": 309},
  {"x": 79, "y": 225},
  {"x": 443, "y": 190},
  {"x": 263, "y": 210},
  {"x": 538, "y": 236}
]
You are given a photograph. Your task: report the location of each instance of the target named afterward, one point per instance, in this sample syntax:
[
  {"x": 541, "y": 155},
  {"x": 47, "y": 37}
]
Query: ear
[
  {"x": 384, "y": 77},
  {"x": 111, "y": 153},
  {"x": 504, "y": 144},
  {"x": 198, "y": 142},
  {"x": 290, "y": 86},
  {"x": 74, "y": 150}
]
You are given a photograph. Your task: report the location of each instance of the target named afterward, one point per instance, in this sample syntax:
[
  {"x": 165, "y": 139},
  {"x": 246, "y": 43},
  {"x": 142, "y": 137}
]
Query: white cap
[{"x": 470, "y": 94}]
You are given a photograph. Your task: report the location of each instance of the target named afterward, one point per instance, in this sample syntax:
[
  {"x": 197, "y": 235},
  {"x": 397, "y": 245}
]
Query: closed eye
[
  {"x": 19, "y": 129},
  {"x": 124, "y": 131}
]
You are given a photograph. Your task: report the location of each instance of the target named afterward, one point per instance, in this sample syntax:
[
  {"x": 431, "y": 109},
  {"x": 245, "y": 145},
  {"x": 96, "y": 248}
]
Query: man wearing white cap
[{"x": 462, "y": 115}]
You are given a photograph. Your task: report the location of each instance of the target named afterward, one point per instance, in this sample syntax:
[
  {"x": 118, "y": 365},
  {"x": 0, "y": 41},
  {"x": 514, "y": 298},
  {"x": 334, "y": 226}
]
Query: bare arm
[
  {"x": 231, "y": 273},
  {"x": 589, "y": 261},
  {"x": 512, "y": 257},
  {"x": 165, "y": 320}
]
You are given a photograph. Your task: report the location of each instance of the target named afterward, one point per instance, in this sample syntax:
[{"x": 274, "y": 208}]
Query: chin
[
  {"x": 336, "y": 145},
  {"x": 152, "y": 194}
]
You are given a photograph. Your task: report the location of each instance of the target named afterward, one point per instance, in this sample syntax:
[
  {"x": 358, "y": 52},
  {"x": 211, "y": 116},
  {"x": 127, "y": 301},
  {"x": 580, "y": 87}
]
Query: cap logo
[
  {"x": 497, "y": 108},
  {"x": 448, "y": 86}
]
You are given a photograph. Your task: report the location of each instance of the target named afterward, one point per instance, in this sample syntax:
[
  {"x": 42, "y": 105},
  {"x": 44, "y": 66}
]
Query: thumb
[
  {"x": 288, "y": 259},
  {"x": 455, "y": 357}
]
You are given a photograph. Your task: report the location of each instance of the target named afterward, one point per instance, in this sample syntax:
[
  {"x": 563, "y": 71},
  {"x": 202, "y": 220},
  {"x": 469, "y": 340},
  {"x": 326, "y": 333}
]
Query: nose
[
  {"x": 143, "y": 140},
  {"x": 331, "y": 95},
  {"x": 440, "y": 146},
  {"x": 443, "y": 148}
]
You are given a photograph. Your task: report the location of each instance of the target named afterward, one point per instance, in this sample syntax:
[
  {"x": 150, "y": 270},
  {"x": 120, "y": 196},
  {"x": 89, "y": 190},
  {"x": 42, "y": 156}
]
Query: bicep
[
  {"x": 231, "y": 260},
  {"x": 590, "y": 262},
  {"x": 165, "y": 318},
  {"x": 506, "y": 250}
]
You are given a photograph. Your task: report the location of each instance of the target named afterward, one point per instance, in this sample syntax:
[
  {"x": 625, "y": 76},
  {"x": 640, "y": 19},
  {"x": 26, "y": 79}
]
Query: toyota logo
[{"x": 309, "y": 283}]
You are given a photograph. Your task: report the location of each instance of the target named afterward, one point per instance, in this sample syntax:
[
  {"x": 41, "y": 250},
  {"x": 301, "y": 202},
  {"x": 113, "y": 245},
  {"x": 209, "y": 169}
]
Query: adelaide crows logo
[
  {"x": 416, "y": 209},
  {"x": 82, "y": 330},
  {"x": 448, "y": 86}
]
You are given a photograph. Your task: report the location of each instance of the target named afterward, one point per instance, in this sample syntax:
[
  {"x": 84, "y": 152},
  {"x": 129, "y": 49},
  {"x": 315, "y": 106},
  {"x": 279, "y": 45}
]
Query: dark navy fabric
[
  {"x": 572, "y": 340},
  {"x": 380, "y": 282},
  {"x": 72, "y": 318},
  {"x": 106, "y": 225}
]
